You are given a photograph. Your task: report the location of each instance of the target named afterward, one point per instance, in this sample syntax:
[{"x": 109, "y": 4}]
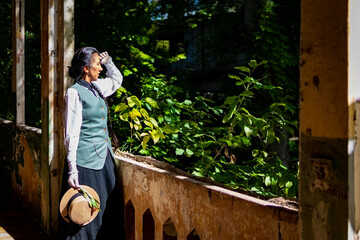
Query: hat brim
[{"x": 65, "y": 199}]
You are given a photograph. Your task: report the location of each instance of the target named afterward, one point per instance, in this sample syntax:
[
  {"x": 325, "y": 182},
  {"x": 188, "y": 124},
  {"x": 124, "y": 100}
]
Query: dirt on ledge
[{"x": 288, "y": 203}]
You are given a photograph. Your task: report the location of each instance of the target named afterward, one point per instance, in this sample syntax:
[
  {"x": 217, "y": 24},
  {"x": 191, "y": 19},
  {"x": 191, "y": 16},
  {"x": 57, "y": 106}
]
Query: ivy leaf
[
  {"x": 252, "y": 63},
  {"x": 288, "y": 184},
  {"x": 289, "y": 130},
  {"x": 144, "y": 113},
  {"x": 198, "y": 174},
  {"x": 179, "y": 151},
  {"x": 267, "y": 181},
  {"x": 153, "y": 122},
  {"x": 274, "y": 106},
  {"x": 145, "y": 141},
  {"x": 230, "y": 100},
  {"x": 168, "y": 129},
  {"x": 124, "y": 117},
  {"x": 122, "y": 89},
  {"x": 133, "y": 100},
  {"x": 188, "y": 152},
  {"x": 247, "y": 93},
  {"x": 207, "y": 144},
  {"x": 243, "y": 69},
  {"x": 248, "y": 131},
  {"x": 169, "y": 159},
  {"x": 160, "y": 118},
  {"x": 229, "y": 115},
  {"x": 270, "y": 138},
  {"x": 152, "y": 102},
  {"x": 144, "y": 134},
  {"x": 127, "y": 72},
  {"x": 155, "y": 135},
  {"x": 136, "y": 112},
  {"x": 147, "y": 123},
  {"x": 263, "y": 62},
  {"x": 121, "y": 107},
  {"x": 187, "y": 102},
  {"x": 137, "y": 126}
]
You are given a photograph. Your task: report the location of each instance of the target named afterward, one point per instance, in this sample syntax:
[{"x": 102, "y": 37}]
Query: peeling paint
[{"x": 21, "y": 156}]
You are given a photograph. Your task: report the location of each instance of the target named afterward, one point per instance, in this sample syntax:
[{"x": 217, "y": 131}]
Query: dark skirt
[{"x": 103, "y": 182}]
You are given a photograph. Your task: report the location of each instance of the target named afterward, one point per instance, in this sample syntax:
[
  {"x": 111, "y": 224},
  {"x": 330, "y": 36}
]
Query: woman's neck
[{"x": 86, "y": 78}]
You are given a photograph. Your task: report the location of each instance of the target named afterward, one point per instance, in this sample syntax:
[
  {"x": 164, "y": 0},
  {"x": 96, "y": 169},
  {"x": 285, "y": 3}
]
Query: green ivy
[{"x": 228, "y": 143}]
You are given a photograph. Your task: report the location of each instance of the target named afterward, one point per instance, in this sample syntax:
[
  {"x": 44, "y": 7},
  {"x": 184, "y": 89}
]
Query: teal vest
[{"x": 94, "y": 141}]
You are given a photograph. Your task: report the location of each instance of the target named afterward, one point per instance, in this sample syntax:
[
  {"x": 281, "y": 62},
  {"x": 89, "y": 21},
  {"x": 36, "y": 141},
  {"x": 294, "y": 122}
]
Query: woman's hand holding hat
[
  {"x": 104, "y": 57},
  {"x": 73, "y": 179}
]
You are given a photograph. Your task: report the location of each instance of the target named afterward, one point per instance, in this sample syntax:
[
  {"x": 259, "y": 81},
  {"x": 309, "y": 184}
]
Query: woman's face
[{"x": 95, "y": 67}]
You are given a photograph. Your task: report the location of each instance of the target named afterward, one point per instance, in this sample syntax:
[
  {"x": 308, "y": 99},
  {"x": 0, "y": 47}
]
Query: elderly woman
[{"x": 90, "y": 157}]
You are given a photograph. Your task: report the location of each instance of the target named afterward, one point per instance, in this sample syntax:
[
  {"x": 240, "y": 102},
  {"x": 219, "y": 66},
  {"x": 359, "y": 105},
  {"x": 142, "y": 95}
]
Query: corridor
[{"x": 15, "y": 223}]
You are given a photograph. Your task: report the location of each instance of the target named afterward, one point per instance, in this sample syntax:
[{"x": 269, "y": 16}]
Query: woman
[{"x": 90, "y": 158}]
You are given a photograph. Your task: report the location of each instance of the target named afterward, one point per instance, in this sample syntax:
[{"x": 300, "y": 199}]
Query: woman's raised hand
[{"x": 104, "y": 57}]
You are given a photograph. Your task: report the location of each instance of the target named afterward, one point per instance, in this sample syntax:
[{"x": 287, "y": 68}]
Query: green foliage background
[{"x": 225, "y": 135}]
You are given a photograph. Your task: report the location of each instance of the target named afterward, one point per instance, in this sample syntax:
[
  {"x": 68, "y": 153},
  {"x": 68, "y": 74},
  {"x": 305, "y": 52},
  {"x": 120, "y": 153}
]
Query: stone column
[
  {"x": 18, "y": 67},
  {"x": 57, "y": 47},
  {"x": 354, "y": 118},
  {"x": 329, "y": 89}
]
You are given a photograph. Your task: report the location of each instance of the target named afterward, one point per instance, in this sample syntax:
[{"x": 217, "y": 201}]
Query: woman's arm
[
  {"x": 73, "y": 120},
  {"x": 113, "y": 79}
]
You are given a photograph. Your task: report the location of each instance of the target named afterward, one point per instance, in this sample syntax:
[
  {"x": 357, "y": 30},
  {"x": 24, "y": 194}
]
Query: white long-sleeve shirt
[{"x": 73, "y": 107}]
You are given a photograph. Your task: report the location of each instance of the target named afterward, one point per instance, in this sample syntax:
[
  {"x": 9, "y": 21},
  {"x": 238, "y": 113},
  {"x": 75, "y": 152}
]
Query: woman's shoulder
[{"x": 71, "y": 92}]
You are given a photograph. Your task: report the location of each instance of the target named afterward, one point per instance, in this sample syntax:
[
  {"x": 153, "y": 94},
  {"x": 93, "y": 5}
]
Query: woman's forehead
[{"x": 95, "y": 57}]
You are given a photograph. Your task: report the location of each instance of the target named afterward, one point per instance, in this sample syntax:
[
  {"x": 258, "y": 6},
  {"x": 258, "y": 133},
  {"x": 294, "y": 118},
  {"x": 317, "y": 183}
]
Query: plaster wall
[
  {"x": 180, "y": 205},
  {"x": 20, "y": 165},
  {"x": 324, "y": 119}
]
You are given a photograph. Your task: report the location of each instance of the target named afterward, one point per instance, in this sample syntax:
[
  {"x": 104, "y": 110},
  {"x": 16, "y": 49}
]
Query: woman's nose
[{"x": 101, "y": 68}]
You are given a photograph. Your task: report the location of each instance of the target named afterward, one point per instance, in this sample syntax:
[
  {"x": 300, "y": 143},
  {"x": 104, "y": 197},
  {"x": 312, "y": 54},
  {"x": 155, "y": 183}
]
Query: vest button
[
  {"x": 106, "y": 140},
  {"x": 103, "y": 118},
  {"x": 102, "y": 106}
]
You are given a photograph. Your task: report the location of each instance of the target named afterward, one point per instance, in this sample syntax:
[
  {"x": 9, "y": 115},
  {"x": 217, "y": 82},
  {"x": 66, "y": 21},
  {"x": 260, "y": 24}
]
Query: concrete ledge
[
  {"x": 21, "y": 164},
  {"x": 176, "y": 204}
]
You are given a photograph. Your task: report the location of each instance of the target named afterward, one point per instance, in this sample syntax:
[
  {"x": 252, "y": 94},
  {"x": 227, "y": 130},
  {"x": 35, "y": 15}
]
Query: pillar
[
  {"x": 18, "y": 67},
  {"x": 57, "y": 47},
  {"x": 354, "y": 120},
  {"x": 328, "y": 93}
]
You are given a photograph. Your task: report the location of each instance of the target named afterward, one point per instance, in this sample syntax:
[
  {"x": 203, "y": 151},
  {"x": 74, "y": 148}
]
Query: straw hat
[{"x": 74, "y": 207}]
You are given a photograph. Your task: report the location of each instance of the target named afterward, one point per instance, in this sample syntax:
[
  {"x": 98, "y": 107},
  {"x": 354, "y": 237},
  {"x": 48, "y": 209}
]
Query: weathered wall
[
  {"x": 324, "y": 119},
  {"x": 354, "y": 117},
  {"x": 20, "y": 162},
  {"x": 161, "y": 203}
]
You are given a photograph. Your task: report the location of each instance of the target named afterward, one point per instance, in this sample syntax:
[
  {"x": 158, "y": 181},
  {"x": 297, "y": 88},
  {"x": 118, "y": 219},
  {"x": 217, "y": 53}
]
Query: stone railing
[
  {"x": 164, "y": 203},
  {"x": 161, "y": 202},
  {"x": 21, "y": 165}
]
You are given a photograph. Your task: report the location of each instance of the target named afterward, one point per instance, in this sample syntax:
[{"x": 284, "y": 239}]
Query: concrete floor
[{"x": 15, "y": 223}]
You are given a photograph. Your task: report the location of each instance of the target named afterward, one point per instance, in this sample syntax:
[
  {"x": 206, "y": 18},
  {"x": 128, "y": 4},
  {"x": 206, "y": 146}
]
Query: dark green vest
[{"x": 94, "y": 141}]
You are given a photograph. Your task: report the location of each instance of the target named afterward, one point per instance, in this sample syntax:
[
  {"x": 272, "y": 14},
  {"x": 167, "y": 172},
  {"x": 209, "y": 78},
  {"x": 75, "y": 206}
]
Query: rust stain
[
  {"x": 28, "y": 174},
  {"x": 310, "y": 50},
  {"x": 321, "y": 174},
  {"x": 316, "y": 82},
  {"x": 308, "y": 131}
]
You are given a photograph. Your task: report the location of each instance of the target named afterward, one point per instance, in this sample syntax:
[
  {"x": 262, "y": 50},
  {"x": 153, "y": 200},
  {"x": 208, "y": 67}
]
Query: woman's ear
[{"x": 86, "y": 69}]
